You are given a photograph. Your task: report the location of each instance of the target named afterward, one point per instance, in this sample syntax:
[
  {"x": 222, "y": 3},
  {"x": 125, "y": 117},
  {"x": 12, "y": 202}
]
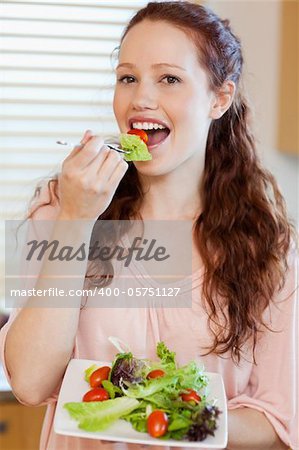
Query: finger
[
  {"x": 77, "y": 148},
  {"x": 82, "y": 156},
  {"x": 96, "y": 163},
  {"x": 108, "y": 166},
  {"x": 87, "y": 135},
  {"x": 118, "y": 174}
]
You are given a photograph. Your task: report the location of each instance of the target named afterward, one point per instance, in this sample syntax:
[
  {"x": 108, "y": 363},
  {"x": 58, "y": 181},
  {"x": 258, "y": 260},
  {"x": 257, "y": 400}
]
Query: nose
[{"x": 144, "y": 97}]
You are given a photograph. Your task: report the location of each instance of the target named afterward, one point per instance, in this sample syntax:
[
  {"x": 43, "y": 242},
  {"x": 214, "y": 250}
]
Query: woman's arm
[
  {"x": 41, "y": 339},
  {"x": 265, "y": 414},
  {"x": 250, "y": 429}
]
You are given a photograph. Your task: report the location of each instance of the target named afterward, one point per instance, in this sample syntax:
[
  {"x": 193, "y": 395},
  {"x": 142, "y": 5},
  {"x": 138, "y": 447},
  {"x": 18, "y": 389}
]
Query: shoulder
[{"x": 45, "y": 204}]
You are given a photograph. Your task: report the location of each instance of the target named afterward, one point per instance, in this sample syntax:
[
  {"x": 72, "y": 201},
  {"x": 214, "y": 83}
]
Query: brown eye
[
  {"x": 170, "y": 79},
  {"x": 126, "y": 79}
]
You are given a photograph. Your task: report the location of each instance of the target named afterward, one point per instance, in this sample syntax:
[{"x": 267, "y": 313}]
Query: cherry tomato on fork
[
  {"x": 157, "y": 423},
  {"x": 98, "y": 376},
  {"x": 141, "y": 133},
  {"x": 156, "y": 374},
  {"x": 96, "y": 395},
  {"x": 191, "y": 396}
]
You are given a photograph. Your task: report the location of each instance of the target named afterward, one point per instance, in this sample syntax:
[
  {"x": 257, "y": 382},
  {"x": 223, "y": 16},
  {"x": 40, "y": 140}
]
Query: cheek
[
  {"x": 184, "y": 109},
  {"x": 119, "y": 104},
  {"x": 116, "y": 104},
  {"x": 185, "y": 120},
  {"x": 194, "y": 115}
]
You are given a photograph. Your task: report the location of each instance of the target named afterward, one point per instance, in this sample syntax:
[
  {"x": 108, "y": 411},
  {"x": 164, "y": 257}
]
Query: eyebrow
[{"x": 132, "y": 66}]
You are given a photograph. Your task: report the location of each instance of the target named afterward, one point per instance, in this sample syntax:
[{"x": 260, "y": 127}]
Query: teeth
[{"x": 147, "y": 126}]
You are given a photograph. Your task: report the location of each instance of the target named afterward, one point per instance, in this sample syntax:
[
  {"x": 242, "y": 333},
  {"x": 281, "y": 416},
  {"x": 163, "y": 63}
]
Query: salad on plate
[{"x": 155, "y": 397}]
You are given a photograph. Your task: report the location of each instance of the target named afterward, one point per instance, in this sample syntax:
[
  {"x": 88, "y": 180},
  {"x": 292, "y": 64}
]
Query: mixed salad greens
[
  {"x": 167, "y": 401},
  {"x": 135, "y": 141}
]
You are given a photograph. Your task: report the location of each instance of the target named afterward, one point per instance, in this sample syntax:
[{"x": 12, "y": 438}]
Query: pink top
[{"x": 271, "y": 386}]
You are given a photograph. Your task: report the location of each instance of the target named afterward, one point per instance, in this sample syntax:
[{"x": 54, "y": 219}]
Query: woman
[{"x": 179, "y": 66}]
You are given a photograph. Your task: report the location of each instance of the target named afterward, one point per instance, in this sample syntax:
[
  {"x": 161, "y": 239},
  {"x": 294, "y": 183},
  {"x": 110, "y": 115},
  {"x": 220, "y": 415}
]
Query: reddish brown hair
[{"x": 243, "y": 234}]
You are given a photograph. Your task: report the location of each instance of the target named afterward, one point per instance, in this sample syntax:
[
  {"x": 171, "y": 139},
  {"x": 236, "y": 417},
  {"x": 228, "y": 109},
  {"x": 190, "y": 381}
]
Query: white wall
[{"x": 257, "y": 23}]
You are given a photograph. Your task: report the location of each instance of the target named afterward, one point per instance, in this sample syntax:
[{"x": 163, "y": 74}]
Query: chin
[{"x": 152, "y": 169}]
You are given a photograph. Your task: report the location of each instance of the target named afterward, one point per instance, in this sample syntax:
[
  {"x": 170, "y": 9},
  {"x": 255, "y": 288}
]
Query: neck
[{"x": 174, "y": 196}]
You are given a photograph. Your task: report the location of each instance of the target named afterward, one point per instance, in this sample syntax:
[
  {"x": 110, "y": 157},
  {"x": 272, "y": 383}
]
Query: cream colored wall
[{"x": 257, "y": 23}]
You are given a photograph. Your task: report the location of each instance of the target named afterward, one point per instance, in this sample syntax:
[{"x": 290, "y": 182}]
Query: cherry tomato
[
  {"x": 156, "y": 373},
  {"x": 98, "y": 376},
  {"x": 96, "y": 395},
  {"x": 141, "y": 133},
  {"x": 157, "y": 423},
  {"x": 191, "y": 396}
]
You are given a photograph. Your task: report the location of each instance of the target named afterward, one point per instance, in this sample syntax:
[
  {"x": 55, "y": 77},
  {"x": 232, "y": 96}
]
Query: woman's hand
[{"x": 89, "y": 178}]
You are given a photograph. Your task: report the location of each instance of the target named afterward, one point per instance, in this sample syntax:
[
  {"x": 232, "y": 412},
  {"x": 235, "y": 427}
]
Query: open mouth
[{"x": 155, "y": 135}]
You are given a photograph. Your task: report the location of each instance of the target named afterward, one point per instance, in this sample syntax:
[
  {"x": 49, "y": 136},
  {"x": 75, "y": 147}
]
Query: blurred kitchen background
[{"x": 57, "y": 81}]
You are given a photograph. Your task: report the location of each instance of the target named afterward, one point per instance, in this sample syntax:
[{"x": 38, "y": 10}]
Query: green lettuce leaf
[
  {"x": 166, "y": 356},
  {"x": 160, "y": 401},
  {"x": 168, "y": 384},
  {"x": 139, "y": 423},
  {"x": 111, "y": 389},
  {"x": 135, "y": 145},
  {"x": 179, "y": 423},
  {"x": 98, "y": 416},
  {"x": 192, "y": 376},
  {"x": 138, "y": 418},
  {"x": 89, "y": 371}
]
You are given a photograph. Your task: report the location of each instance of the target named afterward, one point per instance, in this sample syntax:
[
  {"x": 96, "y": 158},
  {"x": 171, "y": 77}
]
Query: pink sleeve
[
  {"x": 273, "y": 386},
  {"x": 48, "y": 212}
]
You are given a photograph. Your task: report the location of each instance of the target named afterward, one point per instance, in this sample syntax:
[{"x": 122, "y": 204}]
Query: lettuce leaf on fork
[{"x": 137, "y": 148}]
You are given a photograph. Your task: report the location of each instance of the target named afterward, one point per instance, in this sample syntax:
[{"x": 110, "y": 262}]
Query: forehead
[{"x": 152, "y": 41}]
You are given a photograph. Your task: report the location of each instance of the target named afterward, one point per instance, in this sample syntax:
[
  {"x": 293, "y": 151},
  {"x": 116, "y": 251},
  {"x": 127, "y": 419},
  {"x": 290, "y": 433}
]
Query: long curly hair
[{"x": 243, "y": 234}]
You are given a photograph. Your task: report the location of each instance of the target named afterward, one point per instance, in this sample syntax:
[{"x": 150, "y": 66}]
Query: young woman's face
[{"x": 160, "y": 81}]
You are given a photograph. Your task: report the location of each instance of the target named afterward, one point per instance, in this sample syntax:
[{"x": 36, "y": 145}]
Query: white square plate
[{"x": 74, "y": 387}]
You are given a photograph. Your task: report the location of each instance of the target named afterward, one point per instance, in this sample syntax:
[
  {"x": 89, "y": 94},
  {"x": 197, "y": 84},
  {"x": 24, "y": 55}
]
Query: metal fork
[{"x": 112, "y": 147}]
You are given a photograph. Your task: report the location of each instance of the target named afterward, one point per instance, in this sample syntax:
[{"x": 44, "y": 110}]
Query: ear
[{"x": 222, "y": 100}]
